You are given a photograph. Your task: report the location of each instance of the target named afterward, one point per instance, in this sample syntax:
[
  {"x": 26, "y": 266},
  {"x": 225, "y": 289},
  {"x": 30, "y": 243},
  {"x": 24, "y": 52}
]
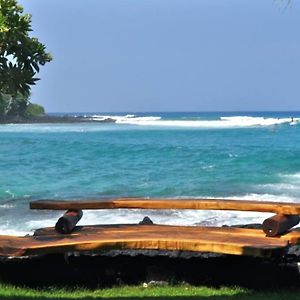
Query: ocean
[{"x": 234, "y": 155}]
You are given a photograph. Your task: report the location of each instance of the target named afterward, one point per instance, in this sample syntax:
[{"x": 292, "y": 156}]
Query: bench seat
[{"x": 165, "y": 203}]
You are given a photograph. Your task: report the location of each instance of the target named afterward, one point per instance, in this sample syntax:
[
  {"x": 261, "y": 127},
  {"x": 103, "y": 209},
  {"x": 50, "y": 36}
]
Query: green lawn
[{"x": 134, "y": 292}]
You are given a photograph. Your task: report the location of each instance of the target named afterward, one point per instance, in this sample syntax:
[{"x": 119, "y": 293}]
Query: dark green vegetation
[
  {"x": 137, "y": 292},
  {"x": 34, "y": 110},
  {"x": 20, "y": 59}
]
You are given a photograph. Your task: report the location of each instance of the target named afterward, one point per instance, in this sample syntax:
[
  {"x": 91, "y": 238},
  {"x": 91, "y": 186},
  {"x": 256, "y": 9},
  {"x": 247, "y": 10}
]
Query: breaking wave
[
  {"x": 289, "y": 184},
  {"x": 222, "y": 122},
  {"x": 127, "y": 119}
]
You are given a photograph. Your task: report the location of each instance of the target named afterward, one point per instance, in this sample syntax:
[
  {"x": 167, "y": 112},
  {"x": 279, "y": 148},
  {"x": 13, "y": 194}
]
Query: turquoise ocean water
[{"x": 232, "y": 155}]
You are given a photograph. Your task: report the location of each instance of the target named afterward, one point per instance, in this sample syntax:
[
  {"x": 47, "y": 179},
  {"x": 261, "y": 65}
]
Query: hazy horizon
[{"x": 170, "y": 112}]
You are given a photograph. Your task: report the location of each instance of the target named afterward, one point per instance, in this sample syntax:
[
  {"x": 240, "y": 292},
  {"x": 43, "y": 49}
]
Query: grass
[{"x": 186, "y": 292}]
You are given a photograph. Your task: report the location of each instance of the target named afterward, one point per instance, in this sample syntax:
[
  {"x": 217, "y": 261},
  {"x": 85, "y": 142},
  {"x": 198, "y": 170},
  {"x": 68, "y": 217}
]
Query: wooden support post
[
  {"x": 279, "y": 224},
  {"x": 68, "y": 221}
]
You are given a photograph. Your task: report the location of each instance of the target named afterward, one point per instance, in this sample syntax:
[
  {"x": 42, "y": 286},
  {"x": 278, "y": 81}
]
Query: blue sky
[{"x": 175, "y": 55}]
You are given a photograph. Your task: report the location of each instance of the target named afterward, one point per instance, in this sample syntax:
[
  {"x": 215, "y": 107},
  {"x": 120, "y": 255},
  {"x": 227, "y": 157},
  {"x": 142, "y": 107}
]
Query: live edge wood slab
[{"x": 226, "y": 240}]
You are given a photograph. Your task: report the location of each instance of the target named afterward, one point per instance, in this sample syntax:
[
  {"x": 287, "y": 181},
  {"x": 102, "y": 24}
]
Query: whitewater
[
  {"x": 222, "y": 122},
  {"x": 172, "y": 155}
]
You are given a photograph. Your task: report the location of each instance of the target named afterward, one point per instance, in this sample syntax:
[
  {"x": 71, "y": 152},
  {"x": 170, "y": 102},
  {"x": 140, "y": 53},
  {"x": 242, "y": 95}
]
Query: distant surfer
[{"x": 294, "y": 121}]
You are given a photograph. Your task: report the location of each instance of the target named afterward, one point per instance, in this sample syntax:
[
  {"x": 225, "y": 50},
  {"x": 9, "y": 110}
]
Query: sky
[{"x": 168, "y": 55}]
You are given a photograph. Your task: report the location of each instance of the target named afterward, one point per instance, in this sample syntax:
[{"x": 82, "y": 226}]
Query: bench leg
[
  {"x": 68, "y": 221},
  {"x": 279, "y": 224}
]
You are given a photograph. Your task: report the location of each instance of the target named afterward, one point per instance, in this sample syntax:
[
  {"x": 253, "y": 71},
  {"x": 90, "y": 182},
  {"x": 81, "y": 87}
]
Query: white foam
[
  {"x": 293, "y": 177},
  {"x": 279, "y": 187},
  {"x": 35, "y": 224},
  {"x": 10, "y": 193},
  {"x": 288, "y": 187},
  {"x": 223, "y": 122},
  {"x": 14, "y": 232},
  {"x": 173, "y": 217},
  {"x": 184, "y": 217},
  {"x": 7, "y": 206},
  {"x": 123, "y": 119},
  {"x": 264, "y": 197},
  {"x": 157, "y": 121}
]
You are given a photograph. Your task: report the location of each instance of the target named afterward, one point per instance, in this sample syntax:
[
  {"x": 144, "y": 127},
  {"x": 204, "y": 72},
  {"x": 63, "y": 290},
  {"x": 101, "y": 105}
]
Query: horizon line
[{"x": 201, "y": 111}]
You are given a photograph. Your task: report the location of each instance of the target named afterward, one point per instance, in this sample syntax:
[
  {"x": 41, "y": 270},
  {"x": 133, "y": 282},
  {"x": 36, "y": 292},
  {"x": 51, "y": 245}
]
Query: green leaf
[{"x": 20, "y": 55}]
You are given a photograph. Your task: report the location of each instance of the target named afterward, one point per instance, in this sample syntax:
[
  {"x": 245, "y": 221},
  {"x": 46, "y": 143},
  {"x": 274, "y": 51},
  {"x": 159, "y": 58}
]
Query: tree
[
  {"x": 34, "y": 110},
  {"x": 20, "y": 58}
]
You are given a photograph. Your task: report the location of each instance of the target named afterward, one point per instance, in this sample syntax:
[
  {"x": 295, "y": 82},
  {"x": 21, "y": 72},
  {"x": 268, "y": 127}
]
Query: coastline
[
  {"x": 199, "y": 120},
  {"x": 50, "y": 119}
]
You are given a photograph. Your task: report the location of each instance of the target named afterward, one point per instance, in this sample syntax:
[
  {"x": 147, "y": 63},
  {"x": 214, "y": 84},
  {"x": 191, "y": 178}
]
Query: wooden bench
[
  {"x": 287, "y": 214},
  {"x": 224, "y": 240}
]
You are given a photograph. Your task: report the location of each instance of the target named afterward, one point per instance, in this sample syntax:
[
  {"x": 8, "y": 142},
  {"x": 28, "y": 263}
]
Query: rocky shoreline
[
  {"x": 106, "y": 270},
  {"x": 50, "y": 119}
]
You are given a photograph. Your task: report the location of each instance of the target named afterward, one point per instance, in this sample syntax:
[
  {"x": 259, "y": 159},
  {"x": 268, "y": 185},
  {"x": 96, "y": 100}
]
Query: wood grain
[
  {"x": 292, "y": 237},
  {"x": 140, "y": 203},
  {"x": 225, "y": 240}
]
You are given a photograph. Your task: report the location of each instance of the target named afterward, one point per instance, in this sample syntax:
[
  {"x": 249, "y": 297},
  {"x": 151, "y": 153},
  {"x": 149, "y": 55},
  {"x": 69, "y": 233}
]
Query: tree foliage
[
  {"x": 20, "y": 58},
  {"x": 34, "y": 110}
]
